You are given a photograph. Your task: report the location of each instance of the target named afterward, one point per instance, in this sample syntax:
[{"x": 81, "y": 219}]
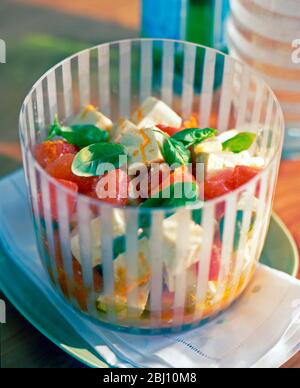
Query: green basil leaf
[
  {"x": 84, "y": 135},
  {"x": 197, "y": 216},
  {"x": 97, "y": 159},
  {"x": 241, "y": 142},
  {"x": 193, "y": 136},
  {"x": 55, "y": 128},
  {"x": 174, "y": 152},
  {"x": 81, "y": 135}
]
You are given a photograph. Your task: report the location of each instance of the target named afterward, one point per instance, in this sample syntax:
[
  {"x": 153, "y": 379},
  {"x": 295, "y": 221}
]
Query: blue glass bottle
[{"x": 198, "y": 21}]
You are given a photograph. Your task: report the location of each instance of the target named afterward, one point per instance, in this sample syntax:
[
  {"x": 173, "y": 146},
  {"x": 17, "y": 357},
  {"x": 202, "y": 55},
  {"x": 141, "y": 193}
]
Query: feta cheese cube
[
  {"x": 223, "y": 160},
  {"x": 153, "y": 112},
  {"x": 208, "y": 146},
  {"x": 141, "y": 146},
  {"x": 119, "y": 229},
  {"x": 125, "y": 283},
  {"x": 174, "y": 265},
  {"x": 121, "y": 128},
  {"x": 248, "y": 202},
  {"x": 90, "y": 115}
]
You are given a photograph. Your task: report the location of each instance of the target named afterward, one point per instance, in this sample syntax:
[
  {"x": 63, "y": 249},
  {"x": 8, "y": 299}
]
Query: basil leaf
[
  {"x": 193, "y": 136},
  {"x": 241, "y": 142},
  {"x": 174, "y": 152},
  {"x": 187, "y": 192},
  {"x": 197, "y": 216},
  {"x": 55, "y": 127},
  {"x": 97, "y": 159},
  {"x": 81, "y": 135}
]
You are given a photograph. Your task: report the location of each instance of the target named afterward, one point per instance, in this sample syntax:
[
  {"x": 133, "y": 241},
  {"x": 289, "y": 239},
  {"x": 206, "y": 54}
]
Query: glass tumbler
[
  {"x": 266, "y": 35},
  {"x": 167, "y": 279}
]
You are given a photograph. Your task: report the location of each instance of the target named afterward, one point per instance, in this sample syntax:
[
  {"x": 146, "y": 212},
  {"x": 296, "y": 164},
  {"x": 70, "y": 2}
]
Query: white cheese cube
[
  {"x": 119, "y": 229},
  {"x": 174, "y": 265},
  {"x": 153, "y": 112},
  {"x": 125, "y": 283},
  {"x": 90, "y": 115},
  {"x": 121, "y": 128},
  {"x": 118, "y": 303},
  {"x": 248, "y": 202},
  {"x": 208, "y": 146},
  {"x": 191, "y": 278},
  {"x": 223, "y": 160},
  {"x": 141, "y": 146}
]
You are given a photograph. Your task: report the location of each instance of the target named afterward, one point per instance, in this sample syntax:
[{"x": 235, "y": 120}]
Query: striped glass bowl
[{"x": 219, "y": 92}]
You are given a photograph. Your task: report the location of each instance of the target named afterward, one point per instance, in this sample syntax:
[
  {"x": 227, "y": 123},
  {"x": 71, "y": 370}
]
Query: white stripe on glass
[
  {"x": 226, "y": 93},
  {"x": 34, "y": 196},
  {"x": 188, "y": 80},
  {"x": 104, "y": 78},
  {"x": 107, "y": 236},
  {"x": 146, "y": 70},
  {"x": 125, "y": 79},
  {"x": 260, "y": 221},
  {"x": 227, "y": 247},
  {"x": 31, "y": 122},
  {"x": 85, "y": 239},
  {"x": 84, "y": 77},
  {"x": 46, "y": 201},
  {"x": 40, "y": 110},
  {"x": 206, "y": 98},
  {"x": 52, "y": 94},
  {"x": 168, "y": 72},
  {"x": 243, "y": 97},
  {"x": 267, "y": 126},
  {"x": 208, "y": 225},
  {"x": 182, "y": 249},
  {"x": 156, "y": 254},
  {"x": 64, "y": 237},
  {"x": 240, "y": 263},
  {"x": 132, "y": 264},
  {"x": 67, "y": 86}
]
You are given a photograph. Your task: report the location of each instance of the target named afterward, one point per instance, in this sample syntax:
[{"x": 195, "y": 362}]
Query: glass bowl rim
[{"x": 96, "y": 202}]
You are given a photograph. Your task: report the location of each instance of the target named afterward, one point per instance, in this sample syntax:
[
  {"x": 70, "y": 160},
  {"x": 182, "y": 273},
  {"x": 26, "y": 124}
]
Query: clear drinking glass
[
  {"x": 266, "y": 35},
  {"x": 217, "y": 91}
]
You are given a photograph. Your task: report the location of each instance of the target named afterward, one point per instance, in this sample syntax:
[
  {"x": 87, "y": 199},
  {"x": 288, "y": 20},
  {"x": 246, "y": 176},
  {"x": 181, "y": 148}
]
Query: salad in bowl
[{"x": 146, "y": 162}]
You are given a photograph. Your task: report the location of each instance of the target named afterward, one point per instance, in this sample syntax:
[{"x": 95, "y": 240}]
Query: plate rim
[
  {"x": 67, "y": 349},
  {"x": 292, "y": 242},
  {"x": 77, "y": 355}
]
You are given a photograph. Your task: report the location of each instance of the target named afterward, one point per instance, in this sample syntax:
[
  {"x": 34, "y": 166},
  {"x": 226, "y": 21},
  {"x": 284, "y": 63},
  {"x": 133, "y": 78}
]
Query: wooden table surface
[{"x": 24, "y": 346}]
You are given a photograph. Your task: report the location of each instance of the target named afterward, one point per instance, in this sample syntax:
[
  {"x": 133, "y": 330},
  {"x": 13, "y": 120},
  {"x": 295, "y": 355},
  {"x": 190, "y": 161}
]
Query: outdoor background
[{"x": 40, "y": 33}]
